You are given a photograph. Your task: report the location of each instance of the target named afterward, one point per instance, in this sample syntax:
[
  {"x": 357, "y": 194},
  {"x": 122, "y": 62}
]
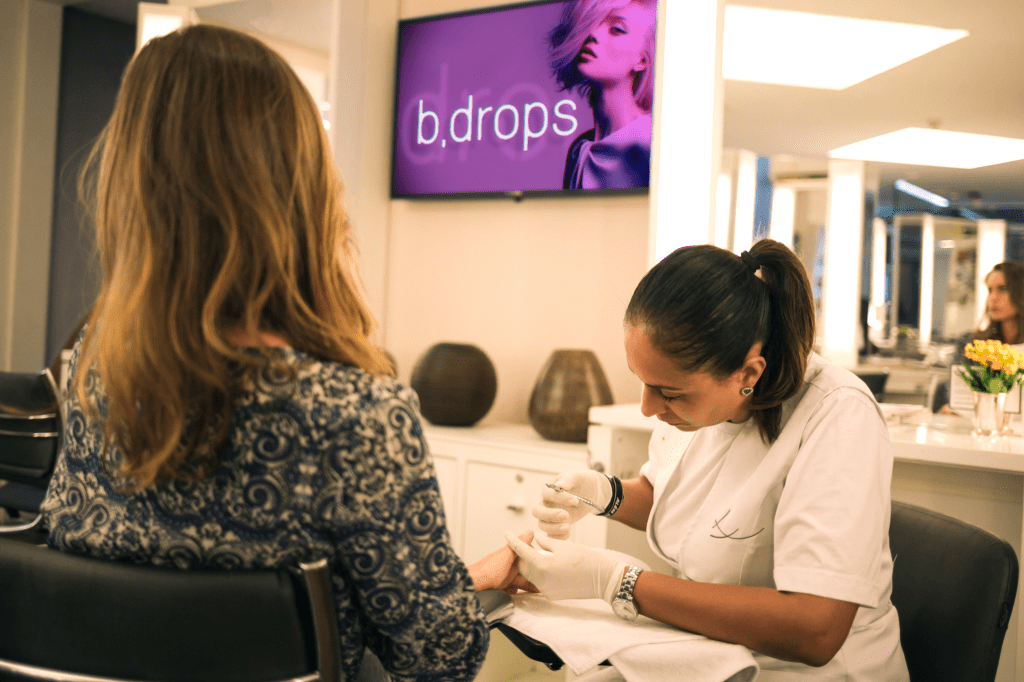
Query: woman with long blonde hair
[{"x": 228, "y": 407}]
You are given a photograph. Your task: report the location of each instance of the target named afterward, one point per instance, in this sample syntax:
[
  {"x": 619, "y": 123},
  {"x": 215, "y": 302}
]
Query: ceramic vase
[
  {"x": 988, "y": 413},
  {"x": 571, "y": 382},
  {"x": 456, "y": 384}
]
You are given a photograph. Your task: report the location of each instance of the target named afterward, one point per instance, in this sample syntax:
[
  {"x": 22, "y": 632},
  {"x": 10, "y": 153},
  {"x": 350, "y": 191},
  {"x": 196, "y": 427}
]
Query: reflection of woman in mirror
[
  {"x": 1004, "y": 315},
  {"x": 605, "y": 48},
  {"x": 1004, "y": 307}
]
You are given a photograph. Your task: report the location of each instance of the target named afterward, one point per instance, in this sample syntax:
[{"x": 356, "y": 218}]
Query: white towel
[{"x": 586, "y": 632}]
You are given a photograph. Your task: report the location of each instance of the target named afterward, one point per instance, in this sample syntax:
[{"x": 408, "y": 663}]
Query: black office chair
[
  {"x": 30, "y": 433},
  {"x": 79, "y": 619},
  {"x": 953, "y": 586},
  {"x": 876, "y": 381}
]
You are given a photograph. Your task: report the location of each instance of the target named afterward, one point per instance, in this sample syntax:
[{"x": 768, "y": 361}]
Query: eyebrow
[{"x": 657, "y": 387}]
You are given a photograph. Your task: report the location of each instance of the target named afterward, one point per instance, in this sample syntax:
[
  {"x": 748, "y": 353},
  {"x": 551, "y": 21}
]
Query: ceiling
[{"x": 973, "y": 85}]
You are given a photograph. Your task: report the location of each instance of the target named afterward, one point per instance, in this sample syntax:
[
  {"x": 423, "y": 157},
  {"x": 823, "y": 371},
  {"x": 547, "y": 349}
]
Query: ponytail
[{"x": 789, "y": 341}]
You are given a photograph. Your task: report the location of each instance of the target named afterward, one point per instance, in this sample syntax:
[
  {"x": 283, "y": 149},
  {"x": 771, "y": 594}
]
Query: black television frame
[{"x": 516, "y": 195}]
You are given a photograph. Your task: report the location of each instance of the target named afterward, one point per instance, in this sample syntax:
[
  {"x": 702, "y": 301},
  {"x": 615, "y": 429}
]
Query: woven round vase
[
  {"x": 570, "y": 383},
  {"x": 456, "y": 384}
]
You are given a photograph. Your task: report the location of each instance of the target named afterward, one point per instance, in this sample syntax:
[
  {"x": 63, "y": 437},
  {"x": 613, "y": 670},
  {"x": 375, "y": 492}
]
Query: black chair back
[
  {"x": 30, "y": 434},
  {"x": 875, "y": 381},
  {"x": 75, "y": 618},
  {"x": 953, "y": 586}
]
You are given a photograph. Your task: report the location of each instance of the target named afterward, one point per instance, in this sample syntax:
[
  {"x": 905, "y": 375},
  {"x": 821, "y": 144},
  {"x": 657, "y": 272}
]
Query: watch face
[{"x": 624, "y": 609}]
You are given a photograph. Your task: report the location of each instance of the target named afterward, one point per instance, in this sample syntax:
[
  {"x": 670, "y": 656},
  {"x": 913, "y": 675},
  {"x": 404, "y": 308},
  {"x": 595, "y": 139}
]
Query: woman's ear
[{"x": 753, "y": 367}]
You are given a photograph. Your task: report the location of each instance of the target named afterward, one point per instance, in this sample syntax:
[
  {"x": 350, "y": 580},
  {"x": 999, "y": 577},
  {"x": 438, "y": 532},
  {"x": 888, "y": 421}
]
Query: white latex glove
[
  {"x": 556, "y": 512},
  {"x": 567, "y": 570}
]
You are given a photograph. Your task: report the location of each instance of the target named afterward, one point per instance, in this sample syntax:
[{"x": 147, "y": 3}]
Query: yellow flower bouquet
[{"x": 999, "y": 366}]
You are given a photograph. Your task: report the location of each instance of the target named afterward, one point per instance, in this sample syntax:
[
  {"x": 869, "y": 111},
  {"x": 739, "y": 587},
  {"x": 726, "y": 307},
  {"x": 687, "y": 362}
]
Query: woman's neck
[
  {"x": 1009, "y": 331},
  {"x": 614, "y": 109}
]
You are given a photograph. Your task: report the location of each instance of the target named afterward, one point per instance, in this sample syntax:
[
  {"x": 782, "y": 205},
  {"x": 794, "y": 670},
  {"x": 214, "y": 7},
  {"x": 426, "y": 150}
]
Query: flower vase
[{"x": 988, "y": 413}]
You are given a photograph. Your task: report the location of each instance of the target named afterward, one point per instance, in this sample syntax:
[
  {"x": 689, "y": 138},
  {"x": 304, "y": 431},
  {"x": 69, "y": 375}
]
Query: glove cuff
[{"x": 611, "y": 587}]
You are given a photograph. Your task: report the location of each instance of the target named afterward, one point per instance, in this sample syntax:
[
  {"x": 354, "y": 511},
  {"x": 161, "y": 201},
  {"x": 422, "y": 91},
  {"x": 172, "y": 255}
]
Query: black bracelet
[{"x": 613, "y": 504}]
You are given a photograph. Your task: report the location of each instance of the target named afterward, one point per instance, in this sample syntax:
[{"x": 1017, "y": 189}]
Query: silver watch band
[{"x": 625, "y": 592}]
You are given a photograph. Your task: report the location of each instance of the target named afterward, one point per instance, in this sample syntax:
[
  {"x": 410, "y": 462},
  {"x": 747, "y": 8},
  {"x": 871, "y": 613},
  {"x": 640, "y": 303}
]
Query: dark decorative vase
[
  {"x": 571, "y": 382},
  {"x": 456, "y": 384}
]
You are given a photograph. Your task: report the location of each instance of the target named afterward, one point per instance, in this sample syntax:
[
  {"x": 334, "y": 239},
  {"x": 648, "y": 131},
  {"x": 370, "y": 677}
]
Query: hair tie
[{"x": 750, "y": 261}]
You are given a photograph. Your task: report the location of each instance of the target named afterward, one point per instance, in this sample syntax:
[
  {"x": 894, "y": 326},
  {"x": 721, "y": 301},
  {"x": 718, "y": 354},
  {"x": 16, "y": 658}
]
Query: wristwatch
[{"x": 623, "y": 604}]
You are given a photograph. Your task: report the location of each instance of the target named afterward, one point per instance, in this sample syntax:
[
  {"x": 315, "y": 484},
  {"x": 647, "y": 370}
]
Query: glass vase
[{"x": 988, "y": 413}]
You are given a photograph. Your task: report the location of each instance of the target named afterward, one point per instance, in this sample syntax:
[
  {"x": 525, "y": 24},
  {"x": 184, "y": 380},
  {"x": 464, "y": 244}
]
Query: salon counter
[{"x": 939, "y": 464}]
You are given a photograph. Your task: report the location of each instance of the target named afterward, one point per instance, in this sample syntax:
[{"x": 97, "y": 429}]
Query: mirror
[{"x": 971, "y": 85}]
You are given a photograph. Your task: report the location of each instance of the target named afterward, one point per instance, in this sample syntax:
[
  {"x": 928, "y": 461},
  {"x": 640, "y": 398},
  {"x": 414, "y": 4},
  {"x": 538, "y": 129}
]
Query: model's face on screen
[{"x": 614, "y": 51}]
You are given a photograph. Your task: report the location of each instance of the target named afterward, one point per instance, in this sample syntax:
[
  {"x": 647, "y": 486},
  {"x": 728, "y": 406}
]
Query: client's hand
[
  {"x": 557, "y": 511},
  {"x": 498, "y": 570},
  {"x": 567, "y": 570}
]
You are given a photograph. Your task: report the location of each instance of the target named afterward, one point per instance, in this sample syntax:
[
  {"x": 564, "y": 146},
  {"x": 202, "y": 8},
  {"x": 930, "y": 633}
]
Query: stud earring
[{"x": 746, "y": 391}]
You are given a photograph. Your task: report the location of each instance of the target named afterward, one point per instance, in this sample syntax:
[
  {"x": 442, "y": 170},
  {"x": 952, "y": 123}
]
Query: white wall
[
  {"x": 517, "y": 279},
  {"x": 30, "y": 53}
]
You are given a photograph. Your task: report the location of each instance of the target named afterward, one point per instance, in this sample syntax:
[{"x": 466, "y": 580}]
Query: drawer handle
[{"x": 518, "y": 508}]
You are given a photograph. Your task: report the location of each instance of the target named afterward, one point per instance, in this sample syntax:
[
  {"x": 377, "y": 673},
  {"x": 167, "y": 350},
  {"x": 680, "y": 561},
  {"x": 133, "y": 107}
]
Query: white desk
[{"x": 939, "y": 465}]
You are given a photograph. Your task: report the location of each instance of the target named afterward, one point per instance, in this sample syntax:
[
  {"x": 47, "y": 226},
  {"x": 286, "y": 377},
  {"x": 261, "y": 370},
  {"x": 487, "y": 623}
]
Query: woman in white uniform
[{"x": 767, "y": 486}]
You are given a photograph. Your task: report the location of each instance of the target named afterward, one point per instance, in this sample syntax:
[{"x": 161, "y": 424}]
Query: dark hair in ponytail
[{"x": 705, "y": 307}]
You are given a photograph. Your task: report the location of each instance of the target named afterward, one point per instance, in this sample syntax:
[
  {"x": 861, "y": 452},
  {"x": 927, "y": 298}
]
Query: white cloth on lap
[{"x": 585, "y": 632}]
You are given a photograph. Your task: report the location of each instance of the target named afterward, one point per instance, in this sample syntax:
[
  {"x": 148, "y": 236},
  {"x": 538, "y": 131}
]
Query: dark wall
[{"x": 94, "y": 53}]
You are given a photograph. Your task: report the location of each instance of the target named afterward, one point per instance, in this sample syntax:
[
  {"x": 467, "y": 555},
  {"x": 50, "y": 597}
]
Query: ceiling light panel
[
  {"x": 929, "y": 147},
  {"x": 817, "y": 50}
]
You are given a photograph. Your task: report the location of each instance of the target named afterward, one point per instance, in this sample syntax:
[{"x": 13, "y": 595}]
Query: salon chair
[
  {"x": 876, "y": 381},
  {"x": 80, "y": 619},
  {"x": 953, "y": 586},
  {"x": 30, "y": 433},
  {"x": 73, "y": 618}
]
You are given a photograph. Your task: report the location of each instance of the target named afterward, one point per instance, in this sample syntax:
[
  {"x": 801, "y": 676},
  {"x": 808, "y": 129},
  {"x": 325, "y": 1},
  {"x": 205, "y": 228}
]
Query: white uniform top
[{"x": 809, "y": 513}]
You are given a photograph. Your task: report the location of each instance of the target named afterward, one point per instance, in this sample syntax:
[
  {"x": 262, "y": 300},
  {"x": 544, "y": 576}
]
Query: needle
[{"x": 560, "y": 489}]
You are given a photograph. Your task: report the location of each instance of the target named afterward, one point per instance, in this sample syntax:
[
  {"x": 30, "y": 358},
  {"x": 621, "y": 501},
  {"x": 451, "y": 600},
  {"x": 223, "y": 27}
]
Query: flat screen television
[{"x": 504, "y": 100}]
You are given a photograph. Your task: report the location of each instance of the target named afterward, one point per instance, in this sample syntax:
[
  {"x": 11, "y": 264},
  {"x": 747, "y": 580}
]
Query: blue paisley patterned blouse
[{"x": 331, "y": 464}]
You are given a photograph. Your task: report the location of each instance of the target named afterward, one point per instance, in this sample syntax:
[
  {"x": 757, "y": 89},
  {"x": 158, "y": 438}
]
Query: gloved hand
[
  {"x": 567, "y": 570},
  {"x": 556, "y": 512}
]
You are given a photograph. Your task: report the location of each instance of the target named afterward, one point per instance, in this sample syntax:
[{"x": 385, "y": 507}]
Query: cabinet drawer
[{"x": 498, "y": 499}]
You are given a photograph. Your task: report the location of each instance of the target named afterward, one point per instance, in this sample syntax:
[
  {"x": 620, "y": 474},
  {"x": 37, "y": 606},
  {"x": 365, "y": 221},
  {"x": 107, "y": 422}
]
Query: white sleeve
[{"x": 832, "y": 522}]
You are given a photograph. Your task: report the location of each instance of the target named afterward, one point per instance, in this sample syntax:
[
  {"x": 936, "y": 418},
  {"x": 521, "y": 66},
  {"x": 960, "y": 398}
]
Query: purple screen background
[{"x": 499, "y": 58}]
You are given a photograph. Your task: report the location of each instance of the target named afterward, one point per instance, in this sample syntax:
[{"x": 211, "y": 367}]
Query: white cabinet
[
  {"x": 498, "y": 499},
  {"x": 491, "y": 476}
]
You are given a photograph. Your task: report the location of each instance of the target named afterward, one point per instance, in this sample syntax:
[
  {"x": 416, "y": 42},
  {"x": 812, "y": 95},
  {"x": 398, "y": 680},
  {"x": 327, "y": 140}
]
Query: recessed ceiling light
[
  {"x": 817, "y": 50},
  {"x": 921, "y": 193},
  {"x": 928, "y": 147}
]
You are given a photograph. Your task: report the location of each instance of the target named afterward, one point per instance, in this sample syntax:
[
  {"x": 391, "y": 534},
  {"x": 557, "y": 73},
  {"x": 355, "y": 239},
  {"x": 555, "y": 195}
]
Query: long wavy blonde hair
[{"x": 217, "y": 209}]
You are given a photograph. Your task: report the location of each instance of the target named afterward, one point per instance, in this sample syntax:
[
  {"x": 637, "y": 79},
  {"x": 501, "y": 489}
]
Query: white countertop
[{"x": 916, "y": 434}]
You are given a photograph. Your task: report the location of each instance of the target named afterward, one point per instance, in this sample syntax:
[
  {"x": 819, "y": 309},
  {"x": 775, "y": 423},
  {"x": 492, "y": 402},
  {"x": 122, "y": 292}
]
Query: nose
[{"x": 651, "y": 402}]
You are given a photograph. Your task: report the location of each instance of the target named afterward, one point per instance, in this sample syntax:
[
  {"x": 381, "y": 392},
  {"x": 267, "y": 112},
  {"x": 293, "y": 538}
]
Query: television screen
[{"x": 538, "y": 97}]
